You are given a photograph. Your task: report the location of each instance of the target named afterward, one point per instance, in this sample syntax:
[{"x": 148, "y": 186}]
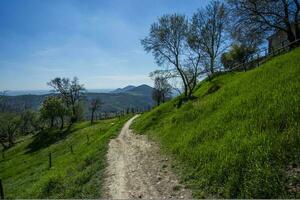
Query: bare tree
[
  {"x": 247, "y": 35},
  {"x": 269, "y": 15},
  {"x": 167, "y": 42},
  {"x": 162, "y": 89},
  {"x": 95, "y": 105},
  {"x": 207, "y": 36},
  {"x": 70, "y": 91},
  {"x": 193, "y": 69},
  {"x": 171, "y": 76}
]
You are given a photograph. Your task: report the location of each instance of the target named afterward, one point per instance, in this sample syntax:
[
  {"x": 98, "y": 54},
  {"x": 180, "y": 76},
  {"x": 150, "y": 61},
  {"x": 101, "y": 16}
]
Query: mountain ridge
[
  {"x": 136, "y": 97},
  {"x": 143, "y": 89}
]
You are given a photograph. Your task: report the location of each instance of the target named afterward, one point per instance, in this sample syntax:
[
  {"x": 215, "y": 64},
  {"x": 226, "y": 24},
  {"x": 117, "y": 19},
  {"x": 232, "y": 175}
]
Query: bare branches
[
  {"x": 207, "y": 37},
  {"x": 167, "y": 42},
  {"x": 189, "y": 50},
  {"x": 162, "y": 89},
  {"x": 95, "y": 105},
  {"x": 269, "y": 15}
]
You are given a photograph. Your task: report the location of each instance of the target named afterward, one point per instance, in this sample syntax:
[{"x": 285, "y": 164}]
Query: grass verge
[
  {"x": 25, "y": 169},
  {"x": 240, "y": 138}
]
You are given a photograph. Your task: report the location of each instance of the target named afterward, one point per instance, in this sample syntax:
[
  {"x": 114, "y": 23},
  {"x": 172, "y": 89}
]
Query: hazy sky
[{"x": 96, "y": 40}]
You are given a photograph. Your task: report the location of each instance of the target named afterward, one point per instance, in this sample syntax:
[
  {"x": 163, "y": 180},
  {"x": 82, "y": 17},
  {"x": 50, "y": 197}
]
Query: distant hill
[
  {"x": 114, "y": 102},
  {"x": 44, "y": 92},
  {"x": 128, "y": 97},
  {"x": 123, "y": 90},
  {"x": 145, "y": 90}
]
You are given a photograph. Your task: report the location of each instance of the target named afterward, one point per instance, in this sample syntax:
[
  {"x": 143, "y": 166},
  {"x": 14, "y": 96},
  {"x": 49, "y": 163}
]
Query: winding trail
[{"x": 136, "y": 169}]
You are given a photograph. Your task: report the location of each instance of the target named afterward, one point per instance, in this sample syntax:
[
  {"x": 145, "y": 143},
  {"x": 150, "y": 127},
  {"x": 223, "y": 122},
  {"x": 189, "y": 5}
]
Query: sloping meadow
[
  {"x": 240, "y": 138},
  {"x": 77, "y": 159}
]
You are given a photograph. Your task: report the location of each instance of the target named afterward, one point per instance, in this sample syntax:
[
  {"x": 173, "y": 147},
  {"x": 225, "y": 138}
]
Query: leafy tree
[
  {"x": 71, "y": 93},
  {"x": 26, "y": 120},
  {"x": 52, "y": 108},
  {"x": 37, "y": 122},
  {"x": 9, "y": 124},
  {"x": 268, "y": 15},
  {"x": 238, "y": 54},
  {"x": 95, "y": 105}
]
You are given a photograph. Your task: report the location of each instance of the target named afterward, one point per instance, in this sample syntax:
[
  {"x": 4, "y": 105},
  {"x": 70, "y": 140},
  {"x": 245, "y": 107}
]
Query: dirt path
[{"x": 137, "y": 170}]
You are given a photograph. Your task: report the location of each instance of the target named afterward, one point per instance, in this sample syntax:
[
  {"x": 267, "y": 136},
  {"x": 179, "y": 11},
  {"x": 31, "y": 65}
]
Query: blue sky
[{"x": 96, "y": 40}]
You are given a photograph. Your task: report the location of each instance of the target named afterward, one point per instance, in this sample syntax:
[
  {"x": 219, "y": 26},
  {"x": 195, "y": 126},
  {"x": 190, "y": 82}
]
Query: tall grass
[
  {"x": 25, "y": 171},
  {"x": 238, "y": 137}
]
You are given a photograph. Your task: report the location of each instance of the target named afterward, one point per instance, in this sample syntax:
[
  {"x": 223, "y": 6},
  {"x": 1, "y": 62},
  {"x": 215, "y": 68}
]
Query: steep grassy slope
[
  {"x": 25, "y": 171},
  {"x": 241, "y": 137}
]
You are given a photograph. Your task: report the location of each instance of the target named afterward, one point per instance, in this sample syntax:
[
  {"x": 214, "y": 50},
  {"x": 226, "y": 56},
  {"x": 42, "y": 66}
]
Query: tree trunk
[
  {"x": 74, "y": 115},
  {"x": 290, "y": 35},
  {"x": 52, "y": 122},
  {"x": 297, "y": 33},
  {"x": 4, "y": 145},
  {"x": 62, "y": 122},
  {"x": 190, "y": 93},
  {"x": 10, "y": 140},
  {"x": 212, "y": 66},
  {"x": 185, "y": 90},
  {"x": 92, "y": 117},
  {"x": 182, "y": 77}
]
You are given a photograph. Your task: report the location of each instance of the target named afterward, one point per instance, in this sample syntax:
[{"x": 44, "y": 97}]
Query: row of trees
[
  {"x": 64, "y": 107},
  {"x": 68, "y": 102},
  {"x": 12, "y": 124},
  {"x": 188, "y": 48}
]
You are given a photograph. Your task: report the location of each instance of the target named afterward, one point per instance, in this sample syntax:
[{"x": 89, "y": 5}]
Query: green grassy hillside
[
  {"x": 241, "y": 137},
  {"x": 25, "y": 171}
]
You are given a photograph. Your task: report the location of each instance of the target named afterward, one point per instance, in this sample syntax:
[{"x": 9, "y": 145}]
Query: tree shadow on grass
[{"x": 48, "y": 137}]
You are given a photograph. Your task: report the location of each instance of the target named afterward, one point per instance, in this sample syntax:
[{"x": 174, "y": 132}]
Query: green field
[
  {"x": 25, "y": 170},
  {"x": 240, "y": 138}
]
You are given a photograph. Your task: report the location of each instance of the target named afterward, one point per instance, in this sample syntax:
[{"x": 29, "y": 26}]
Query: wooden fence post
[
  {"x": 50, "y": 160},
  {"x": 1, "y": 190}
]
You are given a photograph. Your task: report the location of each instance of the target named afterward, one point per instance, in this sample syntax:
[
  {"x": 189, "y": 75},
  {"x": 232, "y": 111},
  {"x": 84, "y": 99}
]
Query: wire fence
[
  {"x": 51, "y": 156},
  {"x": 263, "y": 55}
]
